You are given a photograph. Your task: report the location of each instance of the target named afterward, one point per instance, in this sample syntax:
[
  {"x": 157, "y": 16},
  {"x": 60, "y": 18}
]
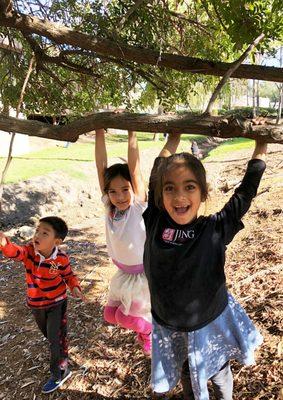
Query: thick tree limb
[
  {"x": 62, "y": 35},
  {"x": 210, "y": 126}
]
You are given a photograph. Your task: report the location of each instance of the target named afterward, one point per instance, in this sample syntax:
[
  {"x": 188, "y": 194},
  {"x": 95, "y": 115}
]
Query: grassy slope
[
  {"x": 231, "y": 146},
  {"x": 68, "y": 159}
]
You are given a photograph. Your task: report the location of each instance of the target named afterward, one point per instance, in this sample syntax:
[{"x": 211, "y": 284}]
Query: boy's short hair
[{"x": 58, "y": 224}]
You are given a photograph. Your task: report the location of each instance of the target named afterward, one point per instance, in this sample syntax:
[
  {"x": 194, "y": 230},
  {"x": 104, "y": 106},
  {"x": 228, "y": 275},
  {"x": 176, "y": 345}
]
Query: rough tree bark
[{"x": 203, "y": 125}]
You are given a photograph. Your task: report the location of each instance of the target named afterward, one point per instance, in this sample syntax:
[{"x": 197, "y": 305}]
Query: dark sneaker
[{"x": 53, "y": 384}]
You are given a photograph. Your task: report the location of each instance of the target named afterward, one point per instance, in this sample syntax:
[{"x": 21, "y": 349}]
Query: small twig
[{"x": 197, "y": 24}]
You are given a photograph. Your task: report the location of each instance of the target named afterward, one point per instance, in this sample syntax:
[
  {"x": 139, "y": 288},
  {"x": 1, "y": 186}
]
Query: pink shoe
[{"x": 145, "y": 341}]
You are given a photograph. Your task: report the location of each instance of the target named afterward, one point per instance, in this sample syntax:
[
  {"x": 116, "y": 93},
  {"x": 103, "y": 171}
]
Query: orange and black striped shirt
[{"x": 47, "y": 278}]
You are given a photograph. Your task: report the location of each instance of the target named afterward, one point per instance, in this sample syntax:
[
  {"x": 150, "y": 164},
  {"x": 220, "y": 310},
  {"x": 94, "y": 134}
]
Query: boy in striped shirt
[{"x": 48, "y": 273}]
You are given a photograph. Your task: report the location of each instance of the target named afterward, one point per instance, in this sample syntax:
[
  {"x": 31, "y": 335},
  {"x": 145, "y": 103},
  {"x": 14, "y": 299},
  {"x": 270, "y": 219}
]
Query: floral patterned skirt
[{"x": 232, "y": 335}]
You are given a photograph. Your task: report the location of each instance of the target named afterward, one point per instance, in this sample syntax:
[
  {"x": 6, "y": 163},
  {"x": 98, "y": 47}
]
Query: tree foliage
[{"x": 69, "y": 78}]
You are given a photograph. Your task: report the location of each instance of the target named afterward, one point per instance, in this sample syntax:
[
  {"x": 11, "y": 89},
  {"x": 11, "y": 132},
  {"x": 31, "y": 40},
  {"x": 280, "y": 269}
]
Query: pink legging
[{"x": 115, "y": 316}]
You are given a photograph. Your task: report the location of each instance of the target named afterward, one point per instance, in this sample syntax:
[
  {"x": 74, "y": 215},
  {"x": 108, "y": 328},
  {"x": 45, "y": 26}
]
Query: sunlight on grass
[
  {"x": 222, "y": 152},
  {"x": 67, "y": 160},
  {"x": 23, "y": 169}
]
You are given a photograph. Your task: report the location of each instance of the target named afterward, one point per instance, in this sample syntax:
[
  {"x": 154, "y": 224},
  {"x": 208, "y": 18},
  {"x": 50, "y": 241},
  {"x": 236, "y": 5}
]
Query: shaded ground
[{"x": 106, "y": 362}]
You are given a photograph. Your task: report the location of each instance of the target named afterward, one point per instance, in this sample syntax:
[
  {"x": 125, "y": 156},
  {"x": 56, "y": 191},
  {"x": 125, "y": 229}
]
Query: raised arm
[
  {"x": 231, "y": 214},
  {"x": 260, "y": 150},
  {"x": 134, "y": 166},
  {"x": 11, "y": 250},
  {"x": 171, "y": 145},
  {"x": 100, "y": 156}
]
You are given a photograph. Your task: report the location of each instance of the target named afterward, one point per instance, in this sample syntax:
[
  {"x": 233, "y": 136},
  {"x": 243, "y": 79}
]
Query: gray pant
[
  {"x": 222, "y": 383},
  {"x": 53, "y": 324}
]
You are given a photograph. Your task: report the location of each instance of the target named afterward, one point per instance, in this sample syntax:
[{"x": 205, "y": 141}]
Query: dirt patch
[{"x": 106, "y": 362}]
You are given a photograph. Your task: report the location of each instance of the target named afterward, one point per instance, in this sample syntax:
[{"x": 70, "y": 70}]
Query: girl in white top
[{"x": 124, "y": 197}]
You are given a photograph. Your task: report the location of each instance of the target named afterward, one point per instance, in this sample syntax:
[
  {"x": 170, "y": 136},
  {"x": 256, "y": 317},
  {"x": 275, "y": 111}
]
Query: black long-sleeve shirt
[{"x": 184, "y": 264}]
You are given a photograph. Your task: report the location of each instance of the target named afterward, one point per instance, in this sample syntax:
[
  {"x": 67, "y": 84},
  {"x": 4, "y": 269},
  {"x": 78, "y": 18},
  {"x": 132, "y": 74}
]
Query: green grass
[
  {"x": 68, "y": 160},
  {"x": 222, "y": 152}
]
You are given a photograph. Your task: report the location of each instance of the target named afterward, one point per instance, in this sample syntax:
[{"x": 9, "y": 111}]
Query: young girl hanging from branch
[
  {"x": 124, "y": 197},
  {"x": 197, "y": 325}
]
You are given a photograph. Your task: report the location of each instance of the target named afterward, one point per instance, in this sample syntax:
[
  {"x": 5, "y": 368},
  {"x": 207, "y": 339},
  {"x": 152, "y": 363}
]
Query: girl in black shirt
[{"x": 197, "y": 325}]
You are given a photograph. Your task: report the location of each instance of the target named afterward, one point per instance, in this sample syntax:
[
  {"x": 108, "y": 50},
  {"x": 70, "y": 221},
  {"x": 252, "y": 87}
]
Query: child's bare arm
[
  {"x": 100, "y": 156},
  {"x": 171, "y": 145},
  {"x": 3, "y": 239},
  {"x": 134, "y": 166},
  {"x": 260, "y": 150}
]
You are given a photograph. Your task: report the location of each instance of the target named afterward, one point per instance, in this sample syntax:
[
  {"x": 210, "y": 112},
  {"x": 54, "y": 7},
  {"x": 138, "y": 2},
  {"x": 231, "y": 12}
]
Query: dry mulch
[{"x": 106, "y": 362}]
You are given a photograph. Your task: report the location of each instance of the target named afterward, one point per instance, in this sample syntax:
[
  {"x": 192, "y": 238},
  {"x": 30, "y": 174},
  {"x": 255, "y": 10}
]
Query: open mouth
[
  {"x": 181, "y": 210},
  {"x": 123, "y": 203}
]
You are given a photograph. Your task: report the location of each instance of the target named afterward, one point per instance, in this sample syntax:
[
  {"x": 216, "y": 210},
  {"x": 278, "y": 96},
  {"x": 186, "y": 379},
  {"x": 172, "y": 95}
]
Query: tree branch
[
  {"x": 230, "y": 71},
  {"x": 62, "y": 35},
  {"x": 61, "y": 60},
  {"x": 210, "y": 126},
  {"x": 197, "y": 24},
  {"x": 219, "y": 18}
]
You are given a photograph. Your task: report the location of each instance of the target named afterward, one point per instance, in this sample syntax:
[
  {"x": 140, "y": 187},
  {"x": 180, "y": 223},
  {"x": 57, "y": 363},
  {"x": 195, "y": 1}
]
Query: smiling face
[
  {"x": 120, "y": 193},
  {"x": 181, "y": 195},
  {"x": 44, "y": 239}
]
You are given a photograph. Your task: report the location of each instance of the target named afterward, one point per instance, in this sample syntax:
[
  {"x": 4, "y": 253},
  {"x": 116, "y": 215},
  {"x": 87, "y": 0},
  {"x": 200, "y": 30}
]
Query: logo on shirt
[
  {"x": 54, "y": 268},
  {"x": 168, "y": 234},
  {"x": 177, "y": 236}
]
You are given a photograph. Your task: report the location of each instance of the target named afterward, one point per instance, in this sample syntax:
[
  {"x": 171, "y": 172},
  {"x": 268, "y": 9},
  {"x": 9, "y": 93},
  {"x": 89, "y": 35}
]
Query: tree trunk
[{"x": 9, "y": 157}]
